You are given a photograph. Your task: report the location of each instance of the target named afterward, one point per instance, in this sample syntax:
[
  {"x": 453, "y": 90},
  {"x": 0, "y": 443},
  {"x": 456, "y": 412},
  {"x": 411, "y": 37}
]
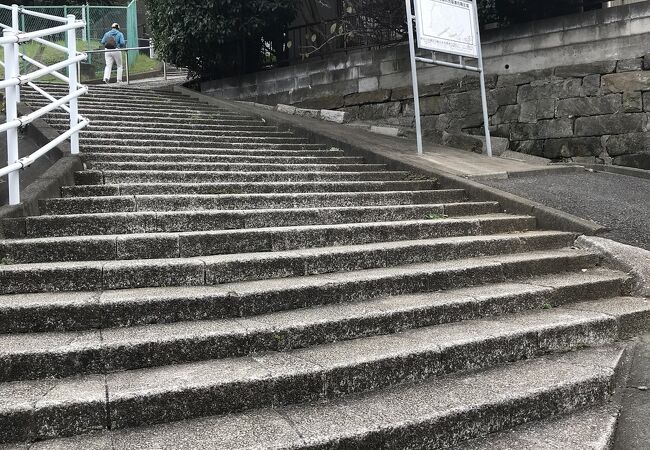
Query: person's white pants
[{"x": 113, "y": 57}]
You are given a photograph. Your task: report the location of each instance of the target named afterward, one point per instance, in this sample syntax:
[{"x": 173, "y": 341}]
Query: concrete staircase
[{"x": 214, "y": 282}]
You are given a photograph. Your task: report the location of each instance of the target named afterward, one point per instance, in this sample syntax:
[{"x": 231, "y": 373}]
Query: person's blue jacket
[{"x": 119, "y": 37}]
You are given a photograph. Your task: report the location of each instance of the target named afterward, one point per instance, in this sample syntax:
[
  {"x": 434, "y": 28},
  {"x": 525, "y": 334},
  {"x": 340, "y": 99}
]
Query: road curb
[{"x": 632, "y": 260}]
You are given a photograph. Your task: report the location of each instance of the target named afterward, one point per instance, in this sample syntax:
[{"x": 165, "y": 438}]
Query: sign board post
[{"x": 447, "y": 26}]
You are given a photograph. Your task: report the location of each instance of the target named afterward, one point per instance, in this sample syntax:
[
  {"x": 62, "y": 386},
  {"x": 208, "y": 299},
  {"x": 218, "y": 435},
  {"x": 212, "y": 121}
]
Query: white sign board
[{"x": 447, "y": 26}]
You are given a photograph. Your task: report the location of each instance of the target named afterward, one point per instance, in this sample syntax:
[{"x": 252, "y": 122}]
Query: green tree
[{"x": 218, "y": 37}]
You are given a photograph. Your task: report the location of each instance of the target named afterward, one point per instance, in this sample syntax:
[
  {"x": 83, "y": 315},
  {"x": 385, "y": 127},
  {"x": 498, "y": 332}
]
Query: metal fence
[
  {"x": 328, "y": 37},
  {"x": 98, "y": 21},
  {"x": 14, "y": 79}
]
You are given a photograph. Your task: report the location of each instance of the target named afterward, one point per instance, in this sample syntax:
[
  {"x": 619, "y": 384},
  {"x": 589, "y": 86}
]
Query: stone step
[
  {"x": 176, "y": 202},
  {"x": 244, "y": 188},
  {"x": 593, "y": 429},
  {"x": 145, "y": 166},
  {"x": 70, "y": 311},
  {"x": 252, "y": 167},
  {"x": 113, "y": 95},
  {"x": 64, "y": 354},
  {"x": 99, "y": 102},
  {"x": 212, "y": 158},
  {"x": 138, "y": 115},
  {"x": 180, "y": 176},
  {"x": 114, "y": 89},
  {"x": 183, "y": 245},
  {"x": 439, "y": 413},
  {"x": 190, "y": 136},
  {"x": 179, "y": 129},
  {"x": 190, "y": 110},
  {"x": 182, "y": 221},
  {"x": 233, "y": 149},
  {"x": 135, "y": 103},
  {"x": 199, "y": 141},
  {"x": 220, "y": 269},
  {"x": 43, "y": 409},
  {"x": 118, "y": 122}
]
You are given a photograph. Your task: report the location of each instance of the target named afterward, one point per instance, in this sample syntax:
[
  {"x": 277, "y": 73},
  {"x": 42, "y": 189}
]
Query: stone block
[
  {"x": 582, "y": 70},
  {"x": 468, "y": 83},
  {"x": 632, "y": 102},
  {"x": 646, "y": 62},
  {"x": 589, "y": 106},
  {"x": 572, "y": 147},
  {"x": 368, "y": 84},
  {"x": 362, "y": 98},
  {"x": 465, "y": 103},
  {"x": 533, "y": 147},
  {"x": 462, "y": 141},
  {"x": 501, "y": 97},
  {"x": 406, "y": 93},
  {"x": 554, "y": 89},
  {"x": 379, "y": 111},
  {"x": 546, "y": 108},
  {"x": 328, "y": 102},
  {"x": 611, "y": 124},
  {"x": 543, "y": 129},
  {"x": 370, "y": 70},
  {"x": 528, "y": 112},
  {"x": 395, "y": 80},
  {"x": 334, "y": 116},
  {"x": 591, "y": 85},
  {"x": 517, "y": 79},
  {"x": 434, "y": 105},
  {"x": 310, "y": 113},
  {"x": 629, "y": 65},
  {"x": 388, "y": 67},
  {"x": 636, "y": 161},
  {"x": 506, "y": 114},
  {"x": 352, "y": 112},
  {"x": 624, "y": 144},
  {"x": 474, "y": 120},
  {"x": 646, "y": 101},
  {"x": 626, "y": 82},
  {"x": 386, "y": 131},
  {"x": 286, "y": 109}
]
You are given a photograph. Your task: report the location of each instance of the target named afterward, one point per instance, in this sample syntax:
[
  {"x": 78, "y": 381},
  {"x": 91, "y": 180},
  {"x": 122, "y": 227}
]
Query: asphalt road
[{"x": 618, "y": 202}]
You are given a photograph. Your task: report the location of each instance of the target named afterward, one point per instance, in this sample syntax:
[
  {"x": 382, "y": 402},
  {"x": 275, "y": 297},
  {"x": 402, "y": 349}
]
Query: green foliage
[{"x": 218, "y": 37}]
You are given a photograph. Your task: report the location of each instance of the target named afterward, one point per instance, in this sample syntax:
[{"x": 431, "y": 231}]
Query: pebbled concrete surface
[{"x": 616, "y": 201}]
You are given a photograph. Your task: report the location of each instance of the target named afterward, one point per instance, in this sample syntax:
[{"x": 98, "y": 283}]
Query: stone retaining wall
[{"x": 597, "y": 112}]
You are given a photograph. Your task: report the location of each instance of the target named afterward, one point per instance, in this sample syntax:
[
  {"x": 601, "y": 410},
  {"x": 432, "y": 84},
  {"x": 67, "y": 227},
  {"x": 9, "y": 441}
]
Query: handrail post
[
  {"x": 126, "y": 59},
  {"x": 11, "y": 71},
  {"x": 73, "y": 76},
  {"x": 15, "y": 24}
]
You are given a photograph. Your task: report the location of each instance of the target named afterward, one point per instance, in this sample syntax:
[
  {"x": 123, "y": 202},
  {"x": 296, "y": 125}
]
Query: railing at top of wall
[{"x": 12, "y": 38}]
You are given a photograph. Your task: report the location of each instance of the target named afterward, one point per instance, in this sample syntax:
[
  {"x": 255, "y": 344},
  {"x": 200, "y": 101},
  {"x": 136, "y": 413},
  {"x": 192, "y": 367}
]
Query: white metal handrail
[{"x": 12, "y": 37}]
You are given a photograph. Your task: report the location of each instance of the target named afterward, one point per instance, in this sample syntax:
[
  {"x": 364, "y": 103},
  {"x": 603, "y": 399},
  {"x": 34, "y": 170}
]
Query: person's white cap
[{"x": 115, "y": 25}]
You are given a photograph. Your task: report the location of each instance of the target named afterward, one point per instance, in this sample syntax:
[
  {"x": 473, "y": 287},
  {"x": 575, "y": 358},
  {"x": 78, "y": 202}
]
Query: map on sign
[{"x": 447, "y": 26}]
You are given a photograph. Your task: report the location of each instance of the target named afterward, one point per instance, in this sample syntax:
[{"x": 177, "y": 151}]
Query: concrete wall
[{"x": 611, "y": 34}]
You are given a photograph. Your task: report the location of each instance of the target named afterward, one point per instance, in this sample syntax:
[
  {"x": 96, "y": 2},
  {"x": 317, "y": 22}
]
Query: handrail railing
[{"x": 12, "y": 37}]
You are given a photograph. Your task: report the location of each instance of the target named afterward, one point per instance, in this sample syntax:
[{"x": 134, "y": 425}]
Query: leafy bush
[{"x": 218, "y": 37}]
